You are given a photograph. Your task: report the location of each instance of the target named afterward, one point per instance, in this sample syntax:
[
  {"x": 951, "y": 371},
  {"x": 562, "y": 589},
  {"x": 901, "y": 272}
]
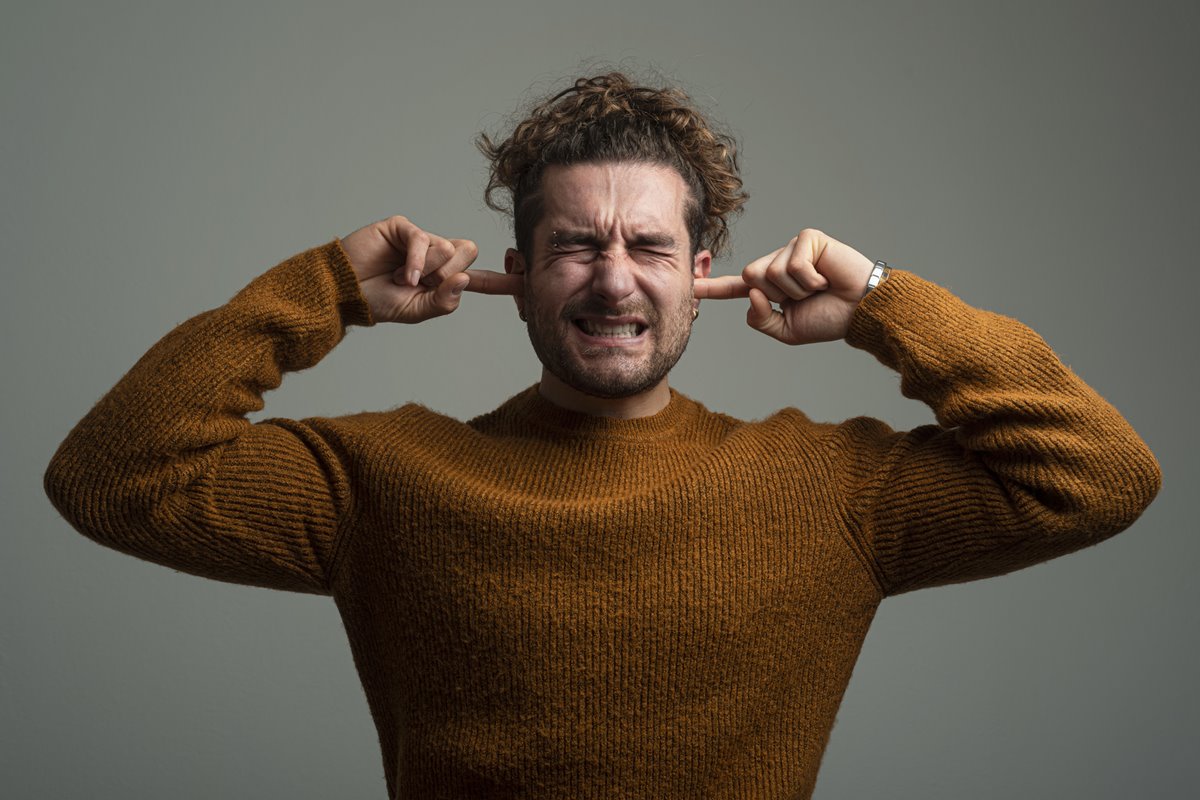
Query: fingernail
[{"x": 414, "y": 277}]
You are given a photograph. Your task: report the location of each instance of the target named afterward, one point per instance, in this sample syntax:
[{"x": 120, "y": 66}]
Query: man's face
[{"x": 608, "y": 285}]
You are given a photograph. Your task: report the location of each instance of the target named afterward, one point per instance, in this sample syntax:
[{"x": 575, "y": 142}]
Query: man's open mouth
[{"x": 610, "y": 330}]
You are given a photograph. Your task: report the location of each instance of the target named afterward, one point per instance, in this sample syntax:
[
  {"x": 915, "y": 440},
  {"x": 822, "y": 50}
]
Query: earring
[
  {"x": 695, "y": 314},
  {"x": 521, "y": 314}
]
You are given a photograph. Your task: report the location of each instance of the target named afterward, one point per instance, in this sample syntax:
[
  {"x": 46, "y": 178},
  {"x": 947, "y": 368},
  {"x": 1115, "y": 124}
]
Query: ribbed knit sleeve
[
  {"x": 1026, "y": 462},
  {"x": 166, "y": 466}
]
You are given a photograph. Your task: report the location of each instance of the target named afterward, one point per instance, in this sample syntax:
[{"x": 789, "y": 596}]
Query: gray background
[{"x": 1037, "y": 160}]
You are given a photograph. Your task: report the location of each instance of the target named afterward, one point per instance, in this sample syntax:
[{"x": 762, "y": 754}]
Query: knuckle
[{"x": 799, "y": 272}]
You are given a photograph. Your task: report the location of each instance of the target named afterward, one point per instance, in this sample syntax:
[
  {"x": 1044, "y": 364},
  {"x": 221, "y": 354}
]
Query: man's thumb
[
  {"x": 762, "y": 317},
  {"x": 448, "y": 293}
]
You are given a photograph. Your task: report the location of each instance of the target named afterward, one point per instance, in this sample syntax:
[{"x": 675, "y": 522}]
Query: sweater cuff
[
  {"x": 904, "y": 301},
  {"x": 351, "y": 303}
]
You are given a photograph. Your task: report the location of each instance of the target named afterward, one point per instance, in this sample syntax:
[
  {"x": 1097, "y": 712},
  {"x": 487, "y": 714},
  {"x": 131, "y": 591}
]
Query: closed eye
[{"x": 652, "y": 255}]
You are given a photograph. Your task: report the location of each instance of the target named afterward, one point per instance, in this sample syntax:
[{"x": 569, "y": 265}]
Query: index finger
[
  {"x": 487, "y": 282},
  {"x": 724, "y": 287}
]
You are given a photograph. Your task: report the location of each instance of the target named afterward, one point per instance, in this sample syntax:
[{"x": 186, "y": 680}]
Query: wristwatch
[{"x": 878, "y": 275}]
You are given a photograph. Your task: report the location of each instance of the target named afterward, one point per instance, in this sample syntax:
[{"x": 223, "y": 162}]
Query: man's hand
[
  {"x": 816, "y": 280},
  {"x": 408, "y": 275}
]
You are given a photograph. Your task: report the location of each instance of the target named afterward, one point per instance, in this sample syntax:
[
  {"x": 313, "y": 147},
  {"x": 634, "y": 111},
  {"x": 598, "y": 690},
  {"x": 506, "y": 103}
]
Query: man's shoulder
[
  {"x": 792, "y": 424},
  {"x": 373, "y": 423}
]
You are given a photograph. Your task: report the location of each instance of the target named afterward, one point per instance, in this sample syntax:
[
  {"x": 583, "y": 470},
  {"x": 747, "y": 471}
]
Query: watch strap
[{"x": 878, "y": 275}]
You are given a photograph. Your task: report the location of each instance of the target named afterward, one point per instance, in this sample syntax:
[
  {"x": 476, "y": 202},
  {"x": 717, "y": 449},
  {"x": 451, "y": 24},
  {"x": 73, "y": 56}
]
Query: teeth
[{"x": 594, "y": 328}]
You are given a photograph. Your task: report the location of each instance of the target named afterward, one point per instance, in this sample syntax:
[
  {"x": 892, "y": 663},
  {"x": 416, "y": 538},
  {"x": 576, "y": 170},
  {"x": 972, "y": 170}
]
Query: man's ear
[
  {"x": 701, "y": 268},
  {"x": 514, "y": 264}
]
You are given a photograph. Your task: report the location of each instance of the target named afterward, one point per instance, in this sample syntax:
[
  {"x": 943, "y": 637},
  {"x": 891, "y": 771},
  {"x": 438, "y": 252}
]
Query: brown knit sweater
[{"x": 546, "y": 604}]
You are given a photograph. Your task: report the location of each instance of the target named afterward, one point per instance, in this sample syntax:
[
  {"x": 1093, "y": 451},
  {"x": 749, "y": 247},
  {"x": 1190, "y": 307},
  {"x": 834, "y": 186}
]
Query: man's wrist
[{"x": 879, "y": 274}]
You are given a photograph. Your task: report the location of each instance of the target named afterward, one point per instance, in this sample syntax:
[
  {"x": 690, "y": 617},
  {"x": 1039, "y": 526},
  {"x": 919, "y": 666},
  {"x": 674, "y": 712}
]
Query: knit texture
[{"x": 546, "y": 604}]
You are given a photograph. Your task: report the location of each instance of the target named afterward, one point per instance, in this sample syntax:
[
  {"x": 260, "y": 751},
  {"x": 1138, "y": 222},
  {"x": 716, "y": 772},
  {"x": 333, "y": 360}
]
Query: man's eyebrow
[
  {"x": 654, "y": 240},
  {"x": 576, "y": 237}
]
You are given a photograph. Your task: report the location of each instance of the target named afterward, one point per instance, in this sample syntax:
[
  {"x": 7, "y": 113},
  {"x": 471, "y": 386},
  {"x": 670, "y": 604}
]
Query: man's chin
[
  {"x": 608, "y": 387},
  {"x": 607, "y": 373}
]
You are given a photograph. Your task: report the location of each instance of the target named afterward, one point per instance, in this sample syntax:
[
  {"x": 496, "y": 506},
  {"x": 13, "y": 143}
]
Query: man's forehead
[{"x": 640, "y": 198}]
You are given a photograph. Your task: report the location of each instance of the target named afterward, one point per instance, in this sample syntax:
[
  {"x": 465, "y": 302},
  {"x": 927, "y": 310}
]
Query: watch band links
[{"x": 878, "y": 275}]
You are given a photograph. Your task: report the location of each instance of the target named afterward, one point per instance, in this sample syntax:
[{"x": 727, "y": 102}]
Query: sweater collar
[{"x": 531, "y": 409}]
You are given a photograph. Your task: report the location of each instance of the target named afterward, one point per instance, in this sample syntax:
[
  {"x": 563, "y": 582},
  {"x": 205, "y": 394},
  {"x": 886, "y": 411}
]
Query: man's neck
[{"x": 643, "y": 404}]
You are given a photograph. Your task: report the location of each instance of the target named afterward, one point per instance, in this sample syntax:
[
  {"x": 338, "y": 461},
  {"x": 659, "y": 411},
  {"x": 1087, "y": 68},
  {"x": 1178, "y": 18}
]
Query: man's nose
[{"x": 613, "y": 276}]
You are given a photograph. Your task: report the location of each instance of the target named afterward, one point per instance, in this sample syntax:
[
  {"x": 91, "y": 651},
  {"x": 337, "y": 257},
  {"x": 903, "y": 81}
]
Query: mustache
[{"x": 599, "y": 308}]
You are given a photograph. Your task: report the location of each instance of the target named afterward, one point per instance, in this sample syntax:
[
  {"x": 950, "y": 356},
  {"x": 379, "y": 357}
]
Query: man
[{"x": 601, "y": 588}]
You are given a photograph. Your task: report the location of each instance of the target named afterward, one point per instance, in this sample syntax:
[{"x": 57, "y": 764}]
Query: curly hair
[{"x": 608, "y": 118}]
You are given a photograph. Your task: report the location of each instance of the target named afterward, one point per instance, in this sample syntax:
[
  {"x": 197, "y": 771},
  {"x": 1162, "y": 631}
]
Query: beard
[{"x": 608, "y": 372}]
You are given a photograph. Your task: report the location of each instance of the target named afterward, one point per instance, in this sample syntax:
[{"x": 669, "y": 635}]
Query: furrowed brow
[{"x": 565, "y": 238}]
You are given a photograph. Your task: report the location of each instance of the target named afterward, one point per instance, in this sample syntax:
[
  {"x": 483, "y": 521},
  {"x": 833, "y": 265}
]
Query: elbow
[
  {"x": 1130, "y": 484},
  {"x": 1136, "y": 483},
  {"x": 83, "y": 491},
  {"x": 1130, "y": 477},
  {"x": 66, "y": 484},
  {"x": 1102, "y": 502}
]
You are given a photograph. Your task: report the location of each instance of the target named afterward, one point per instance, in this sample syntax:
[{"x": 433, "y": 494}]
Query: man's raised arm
[
  {"x": 166, "y": 466},
  {"x": 1026, "y": 463}
]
